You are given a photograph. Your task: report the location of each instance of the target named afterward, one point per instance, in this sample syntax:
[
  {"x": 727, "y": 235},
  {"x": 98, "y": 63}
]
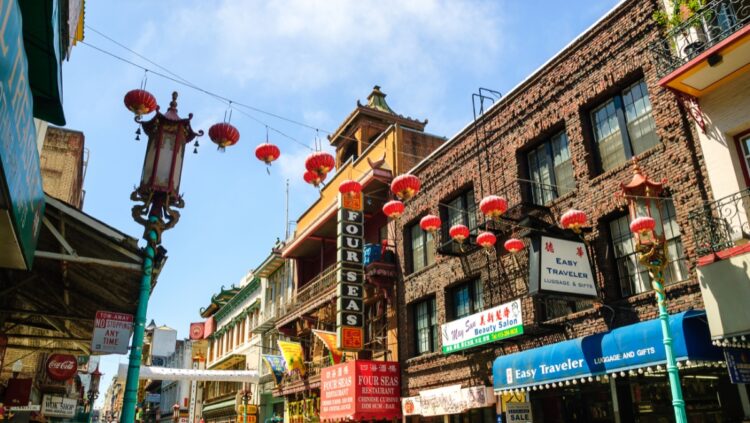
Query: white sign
[
  {"x": 55, "y": 406},
  {"x": 501, "y": 322},
  {"x": 518, "y": 412},
  {"x": 565, "y": 268},
  {"x": 448, "y": 400},
  {"x": 33, "y": 407},
  {"x": 111, "y": 332}
]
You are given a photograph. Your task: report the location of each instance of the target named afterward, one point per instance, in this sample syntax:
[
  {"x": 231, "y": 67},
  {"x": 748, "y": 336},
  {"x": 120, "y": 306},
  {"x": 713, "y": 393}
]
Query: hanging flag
[
  {"x": 276, "y": 366},
  {"x": 329, "y": 339},
  {"x": 293, "y": 356}
]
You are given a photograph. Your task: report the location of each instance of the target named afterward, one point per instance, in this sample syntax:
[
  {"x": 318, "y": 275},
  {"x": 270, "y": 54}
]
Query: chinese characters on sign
[
  {"x": 111, "y": 332},
  {"x": 560, "y": 267},
  {"x": 501, "y": 322},
  {"x": 361, "y": 390},
  {"x": 350, "y": 273}
]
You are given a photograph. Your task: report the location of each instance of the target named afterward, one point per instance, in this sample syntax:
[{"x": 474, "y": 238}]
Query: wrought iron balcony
[
  {"x": 309, "y": 297},
  {"x": 710, "y": 25},
  {"x": 721, "y": 224}
]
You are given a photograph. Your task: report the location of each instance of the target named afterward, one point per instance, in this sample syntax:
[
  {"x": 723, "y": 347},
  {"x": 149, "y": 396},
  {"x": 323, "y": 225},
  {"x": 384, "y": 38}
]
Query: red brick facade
[{"x": 560, "y": 96}]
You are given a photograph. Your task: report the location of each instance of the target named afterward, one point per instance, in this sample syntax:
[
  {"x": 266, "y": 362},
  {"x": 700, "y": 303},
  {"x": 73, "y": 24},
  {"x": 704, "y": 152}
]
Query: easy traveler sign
[
  {"x": 111, "y": 332},
  {"x": 19, "y": 158},
  {"x": 501, "y": 322},
  {"x": 560, "y": 267},
  {"x": 350, "y": 274}
]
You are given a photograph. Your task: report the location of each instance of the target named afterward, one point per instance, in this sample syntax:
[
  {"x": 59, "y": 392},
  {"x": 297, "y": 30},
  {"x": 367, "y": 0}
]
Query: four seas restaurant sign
[
  {"x": 361, "y": 390},
  {"x": 560, "y": 267},
  {"x": 503, "y": 321}
]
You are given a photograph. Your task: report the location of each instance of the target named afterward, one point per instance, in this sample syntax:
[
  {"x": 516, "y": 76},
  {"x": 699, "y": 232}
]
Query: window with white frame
[{"x": 550, "y": 169}]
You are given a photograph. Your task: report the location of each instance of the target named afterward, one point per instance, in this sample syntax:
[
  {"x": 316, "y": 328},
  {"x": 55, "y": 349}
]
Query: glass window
[
  {"x": 462, "y": 210},
  {"x": 550, "y": 170},
  {"x": 426, "y": 326},
  {"x": 623, "y": 126},
  {"x": 467, "y": 299},
  {"x": 422, "y": 248},
  {"x": 634, "y": 278}
]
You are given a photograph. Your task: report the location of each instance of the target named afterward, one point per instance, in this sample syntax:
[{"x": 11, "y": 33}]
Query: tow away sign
[{"x": 111, "y": 332}]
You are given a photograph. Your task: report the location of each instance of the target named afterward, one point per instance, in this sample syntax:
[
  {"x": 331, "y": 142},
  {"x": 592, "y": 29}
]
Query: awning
[
  {"x": 622, "y": 349},
  {"x": 219, "y": 405},
  {"x": 167, "y": 373}
]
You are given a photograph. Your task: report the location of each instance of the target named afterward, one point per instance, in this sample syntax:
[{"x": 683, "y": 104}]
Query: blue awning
[{"x": 629, "y": 347}]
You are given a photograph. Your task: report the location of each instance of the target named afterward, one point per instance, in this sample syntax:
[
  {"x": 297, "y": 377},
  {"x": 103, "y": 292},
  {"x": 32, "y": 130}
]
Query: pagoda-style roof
[
  {"x": 151, "y": 127},
  {"x": 376, "y": 108},
  {"x": 219, "y": 300}
]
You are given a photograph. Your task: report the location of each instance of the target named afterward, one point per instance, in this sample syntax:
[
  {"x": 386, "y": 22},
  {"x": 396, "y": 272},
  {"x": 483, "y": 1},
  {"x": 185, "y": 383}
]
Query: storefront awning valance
[{"x": 629, "y": 347}]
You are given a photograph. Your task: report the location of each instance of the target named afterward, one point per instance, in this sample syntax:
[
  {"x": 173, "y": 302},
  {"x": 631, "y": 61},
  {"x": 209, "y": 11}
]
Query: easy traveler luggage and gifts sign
[
  {"x": 560, "y": 267},
  {"x": 501, "y": 322},
  {"x": 350, "y": 273},
  {"x": 111, "y": 332}
]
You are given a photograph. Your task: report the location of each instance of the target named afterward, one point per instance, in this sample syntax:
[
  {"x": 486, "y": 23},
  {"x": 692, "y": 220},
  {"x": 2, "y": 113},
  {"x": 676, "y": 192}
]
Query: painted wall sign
[
  {"x": 19, "y": 158},
  {"x": 361, "y": 390},
  {"x": 62, "y": 366},
  {"x": 501, "y": 322},
  {"x": 350, "y": 275},
  {"x": 56, "y": 406},
  {"x": 111, "y": 332},
  {"x": 560, "y": 267}
]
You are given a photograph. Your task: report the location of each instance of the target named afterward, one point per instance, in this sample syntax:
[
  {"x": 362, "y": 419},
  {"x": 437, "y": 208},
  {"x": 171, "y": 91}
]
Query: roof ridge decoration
[{"x": 240, "y": 296}]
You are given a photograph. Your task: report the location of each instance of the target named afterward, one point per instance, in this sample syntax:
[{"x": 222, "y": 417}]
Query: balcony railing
[
  {"x": 721, "y": 224},
  {"x": 713, "y": 23},
  {"x": 313, "y": 289}
]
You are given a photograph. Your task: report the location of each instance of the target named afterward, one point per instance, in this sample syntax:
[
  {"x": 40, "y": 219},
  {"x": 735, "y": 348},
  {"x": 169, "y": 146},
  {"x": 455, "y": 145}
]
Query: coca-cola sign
[{"x": 61, "y": 366}]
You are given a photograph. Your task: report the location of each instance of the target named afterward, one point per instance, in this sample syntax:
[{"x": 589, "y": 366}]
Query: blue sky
[{"x": 306, "y": 60}]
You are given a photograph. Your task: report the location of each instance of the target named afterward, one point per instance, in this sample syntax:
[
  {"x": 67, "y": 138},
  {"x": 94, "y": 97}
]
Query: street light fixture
[
  {"x": 159, "y": 191},
  {"x": 93, "y": 393},
  {"x": 645, "y": 204}
]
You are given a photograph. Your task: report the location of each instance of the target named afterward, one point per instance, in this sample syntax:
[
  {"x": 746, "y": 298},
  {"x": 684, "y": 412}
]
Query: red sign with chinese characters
[
  {"x": 361, "y": 390},
  {"x": 62, "y": 366}
]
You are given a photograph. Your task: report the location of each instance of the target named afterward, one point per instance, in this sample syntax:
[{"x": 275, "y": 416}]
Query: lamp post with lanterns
[
  {"x": 93, "y": 393},
  {"x": 159, "y": 193},
  {"x": 645, "y": 205}
]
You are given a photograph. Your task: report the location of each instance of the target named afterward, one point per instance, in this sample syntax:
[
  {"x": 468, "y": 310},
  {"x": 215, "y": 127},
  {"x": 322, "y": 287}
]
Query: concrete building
[{"x": 177, "y": 392}]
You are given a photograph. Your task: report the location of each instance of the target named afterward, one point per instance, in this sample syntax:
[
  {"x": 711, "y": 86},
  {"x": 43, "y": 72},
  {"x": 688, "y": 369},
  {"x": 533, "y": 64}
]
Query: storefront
[
  {"x": 451, "y": 404},
  {"x": 568, "y": 381}
]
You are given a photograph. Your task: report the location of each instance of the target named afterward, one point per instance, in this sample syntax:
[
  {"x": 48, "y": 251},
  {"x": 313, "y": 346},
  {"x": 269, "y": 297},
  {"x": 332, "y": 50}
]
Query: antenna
[{"x": 286, "y": 213}]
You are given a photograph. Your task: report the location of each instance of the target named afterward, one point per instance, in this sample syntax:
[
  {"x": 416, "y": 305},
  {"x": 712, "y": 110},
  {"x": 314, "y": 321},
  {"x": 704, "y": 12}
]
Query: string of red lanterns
[{"x": 459, "y": 233}]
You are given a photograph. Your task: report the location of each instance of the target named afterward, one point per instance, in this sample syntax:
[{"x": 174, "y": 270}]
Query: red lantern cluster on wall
[
  {"x": 350, "y": 188},
  {"x": 140, "y": 102},
  {"x": 405, "y": 186},
  {"x": 459, "y": 233},
  {"x": 486, "y": 240},
  {"x": 573, "y": 219},
  {"x": 514, "y": 245},
  {"x": 493, "y": 206},
  {"x": 320, "y": 163},
  {"x": 430, "y": 223},
  {"x": 393, "y": 209},
  {"x": 223, "y": 135},
  {"x": 267, "y": 153}
]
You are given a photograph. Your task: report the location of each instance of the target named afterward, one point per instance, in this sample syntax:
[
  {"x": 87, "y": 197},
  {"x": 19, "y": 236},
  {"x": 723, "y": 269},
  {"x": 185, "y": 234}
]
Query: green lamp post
[
  {"x": 645, "y": 204},
  {"x": 159, "y": 191}
]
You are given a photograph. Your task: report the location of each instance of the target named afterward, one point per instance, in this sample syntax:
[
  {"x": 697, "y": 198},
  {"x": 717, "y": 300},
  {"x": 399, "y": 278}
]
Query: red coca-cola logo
[{"x": 61, "y": 366}]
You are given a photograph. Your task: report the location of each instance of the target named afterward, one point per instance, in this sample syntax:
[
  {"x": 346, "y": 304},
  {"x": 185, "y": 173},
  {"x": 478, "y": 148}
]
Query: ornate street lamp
[
  {"x": 645, "y": 203},
  {"x": 93, "y": 393},
  {"x": 159, "y": 191}
]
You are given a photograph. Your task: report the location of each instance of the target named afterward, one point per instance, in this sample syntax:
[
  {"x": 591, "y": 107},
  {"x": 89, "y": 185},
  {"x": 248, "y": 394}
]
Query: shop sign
[
  {"x": 304, "y": 410},
  {"x": 501, "y": 322},
  {"x": 411, "y": 406},
  {"x": 26, "y": 408},
  {"x": 448, "y": 400},
  {"x": 111, "y": 332},
  {"x": 361, "y": 390},
  {"x": 738, "y": 364},
  {"x": 153, "y": 397},
  {"x": 350, "y": 274},
  {"x": 56, "y": 406},
  {"x": 61, "y": 366},
  {"x": 518, "y": 412},
  {"x": 19, "y": 158},
  {"x": 560, "y": 267}
]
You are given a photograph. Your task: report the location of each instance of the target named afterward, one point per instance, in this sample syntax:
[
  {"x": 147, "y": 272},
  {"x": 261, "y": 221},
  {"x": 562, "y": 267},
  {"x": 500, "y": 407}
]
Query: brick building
[
  {"x": 563, "y": 138},
  {"x": 63, "y": 165}
]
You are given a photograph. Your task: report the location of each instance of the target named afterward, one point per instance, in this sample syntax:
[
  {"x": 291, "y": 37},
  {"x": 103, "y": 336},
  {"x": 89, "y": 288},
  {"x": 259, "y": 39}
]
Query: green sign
[
  {"x": 500, "y": 322},
  {"x": 19, "y": 158}
]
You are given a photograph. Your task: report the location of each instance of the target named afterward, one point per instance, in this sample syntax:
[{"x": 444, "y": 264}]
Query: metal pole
[{"x": 134, "y": 365}]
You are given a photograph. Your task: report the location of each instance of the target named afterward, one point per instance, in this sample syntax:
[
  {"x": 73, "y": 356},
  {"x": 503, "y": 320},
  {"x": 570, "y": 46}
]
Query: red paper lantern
[
  {"x": 486, "y": 240},
  {"x": 393, "y": 209},
  {"x": 313, "y": 178},
  {"x": 459, "y": 233},
  {"x": 320, "y": 162},
  {"x": 267, "y": 153},
  {"x": 350, "y": 187},
  {"x": 430, "y": 223},
  {"x": 514, "y": 245},
  {"x": 493, "y": 206},
  {"x": 224, "y": 135},
  {"x": 573, "y": 219},
  {"x": 405, "y": 186},
  {"x": 140, "y": 102},
  {"x": 642, "y": 224}
]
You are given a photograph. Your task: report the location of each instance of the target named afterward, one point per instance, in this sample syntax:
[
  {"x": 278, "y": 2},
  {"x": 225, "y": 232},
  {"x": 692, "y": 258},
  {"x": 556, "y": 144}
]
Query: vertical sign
[
  {"x": 193, "y": 394},
  {"x": 350, "y": 273}
]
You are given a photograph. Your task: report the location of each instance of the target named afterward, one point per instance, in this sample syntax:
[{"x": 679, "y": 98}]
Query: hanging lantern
[
  {"x": 573, "y": 219},
  {"x": 267, "y": 153},
  {"x": 430, "y": 223},
  {"x": 223, "y": 135},
  {"x": 644, "y": 227},
  {"x": 350, "y": 188},
  {"x": 493, "y": 206},
  {"x": 313, "y": 178},
  {"x": 320, "y": 163},
  {"x": 140, "y": 102},
  {"x": 393, "y": 209},
  {"x": 459, "y": 233},
  {"x": 405, "y": 186},
  {"x": 514, "y": 245},
  {"x": 486, "y": 240}
]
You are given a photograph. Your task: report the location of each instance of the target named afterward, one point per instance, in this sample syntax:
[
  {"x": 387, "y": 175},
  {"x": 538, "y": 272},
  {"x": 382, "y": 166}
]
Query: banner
[
  {"x": 329, "y": 339},
  {"x": 276, "y": 366},
  {"x": 501, "y": 322},
  {"x": 293, "y": 355}
]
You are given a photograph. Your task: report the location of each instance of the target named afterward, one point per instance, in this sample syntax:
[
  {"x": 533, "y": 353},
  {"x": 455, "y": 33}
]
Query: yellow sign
[{"x": 293, "y": 355}]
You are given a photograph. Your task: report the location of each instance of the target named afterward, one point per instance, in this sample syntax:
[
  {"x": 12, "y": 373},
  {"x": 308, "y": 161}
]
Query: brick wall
[
  {"x": 561, "y": 95},
  {"x": 62, "y": 165}
]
